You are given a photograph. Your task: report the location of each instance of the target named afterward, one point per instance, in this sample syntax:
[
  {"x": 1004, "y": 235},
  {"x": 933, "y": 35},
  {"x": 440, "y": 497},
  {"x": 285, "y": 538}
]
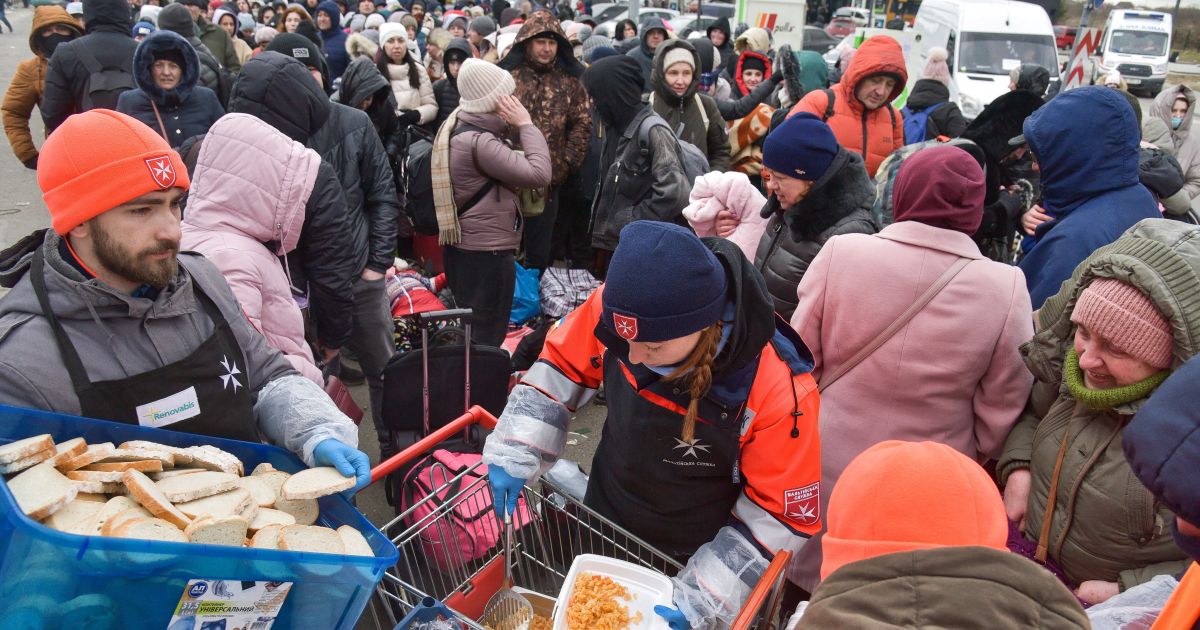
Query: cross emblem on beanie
[
  {"x": 162, "y": 171},
  {"x": 627, "y": 327}
]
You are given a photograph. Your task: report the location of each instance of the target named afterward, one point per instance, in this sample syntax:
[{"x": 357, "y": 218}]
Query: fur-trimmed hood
[
  {"x": 359, "y": 45},
  {"x": 143, "y": 60},
  {"x": 843, "y": 189}
]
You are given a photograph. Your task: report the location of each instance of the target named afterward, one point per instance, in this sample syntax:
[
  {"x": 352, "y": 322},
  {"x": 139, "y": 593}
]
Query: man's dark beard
[{"x": 136, "y": 267}]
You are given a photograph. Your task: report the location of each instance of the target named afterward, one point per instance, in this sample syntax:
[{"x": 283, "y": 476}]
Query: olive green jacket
[{"x": 1106, "y": 525}]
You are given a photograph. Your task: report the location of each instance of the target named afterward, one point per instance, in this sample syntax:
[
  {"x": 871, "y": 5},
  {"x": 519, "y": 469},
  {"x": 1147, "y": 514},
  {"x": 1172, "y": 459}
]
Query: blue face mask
[{"x": 1176, "y": 121}]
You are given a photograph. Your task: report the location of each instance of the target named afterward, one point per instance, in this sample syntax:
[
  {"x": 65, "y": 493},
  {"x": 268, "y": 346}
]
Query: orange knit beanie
[
  {"x": 902, "y": 496},
  {"x": 99, "y": 160}
]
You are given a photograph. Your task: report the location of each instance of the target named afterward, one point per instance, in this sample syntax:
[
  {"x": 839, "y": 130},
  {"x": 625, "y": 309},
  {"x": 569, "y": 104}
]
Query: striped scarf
[{"x": 449, "y": 232}]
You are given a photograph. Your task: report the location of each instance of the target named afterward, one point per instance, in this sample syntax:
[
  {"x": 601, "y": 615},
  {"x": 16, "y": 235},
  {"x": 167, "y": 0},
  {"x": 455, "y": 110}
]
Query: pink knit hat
[
  {"x": 1127, "y": 319},
  {"x": 936, "y": 67}
]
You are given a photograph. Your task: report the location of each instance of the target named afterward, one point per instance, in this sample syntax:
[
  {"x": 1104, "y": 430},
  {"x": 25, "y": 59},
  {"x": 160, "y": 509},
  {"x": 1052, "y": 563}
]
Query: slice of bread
[
  {"x": 150, "y": 529},
  {"x": 305, "y": 511},
  {"x": 274, "y": 480},
  {"x": 99, "y": 487},
  {"x": 66, "y": 450},
  {"x": 42, "y": 490},
  {"x": 120, "y": 518},
  {"x": 147, "y": 493},
  {"x": 267, "y": 517},
  {"x": 180, "y": 455},
  {"x": 167, "y": 460},
  {"x": 75, "y": 517},
  {"x": 144, "y": 465},
  {"x": 213, "y": 458},
  {"x": 263, "y": 469},
  {"x": 197, "y": 486},
  {"x": 176, "y": 472},
  {"x": 22, "y": 449},
  {"x": 111, "y": 508},
  {"x": 251, "y": 510},
  {"x": 311, "y": 539},
  {"x": 95, "y": 475},
  {"x": 267, "y": 537},
  {"x": 226, "y": 530},
  {"x": 354, "y": 542},
  {"x": 263, "y": 495},
  {"x": 93, "y": 454},
  {"x": 92, "y": 496},
  {"x": 314, "y": 483},
  {"x": 27, "y": 462},
  {"x": 231, "y": 503}
]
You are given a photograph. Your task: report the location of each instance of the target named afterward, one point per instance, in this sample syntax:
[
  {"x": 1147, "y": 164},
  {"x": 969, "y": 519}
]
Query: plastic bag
[
  {"x": 525, "y": 305},
  {"x": 530, "y": 434},
  {"x": 1136, "y": 608},
  {"x": 711, "y": 589}
]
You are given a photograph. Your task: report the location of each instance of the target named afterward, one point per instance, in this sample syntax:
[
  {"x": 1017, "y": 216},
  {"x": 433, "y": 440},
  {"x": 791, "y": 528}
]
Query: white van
[
  {"x": 986, "y": 39},
  {"x": 861, "y": 16},
  {"x": 1137, "y": 44}
]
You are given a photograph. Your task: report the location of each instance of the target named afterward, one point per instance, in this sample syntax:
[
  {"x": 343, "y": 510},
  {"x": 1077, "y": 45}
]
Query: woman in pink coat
[
  {"x": 952, "y": 374},
  {"x": 249, "y": 188}
]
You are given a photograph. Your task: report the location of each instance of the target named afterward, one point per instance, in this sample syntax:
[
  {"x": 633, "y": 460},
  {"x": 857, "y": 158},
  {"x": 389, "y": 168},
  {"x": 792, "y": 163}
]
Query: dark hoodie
[
  {"x": 686, "y": 111},
  {"x": 726, "y": 48},
  {"x": 445, "y": 89},
  {"x": 362, "y": 81},
  {"x": 1033, "y": 78},
  {"x": 1090, "y": 182},
  {"x": 838, "y": 203},
  {"x": 107, "y": 39},
  {"x": 187, "y": 109},
  {"x": 947, "y": 120},
  {"x": 335, "y": 40},
  {"x": 279, "y": 90},
  {"x": 642, "y": 52}
]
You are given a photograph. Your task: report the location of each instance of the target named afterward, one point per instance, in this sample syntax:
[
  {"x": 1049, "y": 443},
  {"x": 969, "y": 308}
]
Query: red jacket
[{"x": 873, "y": 134}]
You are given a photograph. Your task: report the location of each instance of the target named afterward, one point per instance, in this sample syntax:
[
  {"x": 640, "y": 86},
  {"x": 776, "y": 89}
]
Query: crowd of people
[{"x": 946, "y": 364}]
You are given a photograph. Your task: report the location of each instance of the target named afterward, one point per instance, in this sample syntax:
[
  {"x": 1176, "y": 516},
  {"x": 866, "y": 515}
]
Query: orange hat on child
[
  {"x": 903, "y": 496},
  {"x": 99, "y": 160}
]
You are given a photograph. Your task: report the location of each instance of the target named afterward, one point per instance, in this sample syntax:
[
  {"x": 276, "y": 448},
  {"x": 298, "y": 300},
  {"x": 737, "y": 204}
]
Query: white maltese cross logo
[
  {"x": 692, "y": 447},
  {"x": 162, "y": 171},
  {"x": 230, "y": 375},
  {"x": 627, "y": 327}
]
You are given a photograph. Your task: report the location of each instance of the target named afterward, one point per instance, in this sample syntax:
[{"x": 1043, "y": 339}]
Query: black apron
[
  {"x": 672, "y": 494},
  {"x": 204, "y": 393}
]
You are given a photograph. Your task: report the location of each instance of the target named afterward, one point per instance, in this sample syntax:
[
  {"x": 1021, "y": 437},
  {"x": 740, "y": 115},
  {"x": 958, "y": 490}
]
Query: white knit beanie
[
  {"x": 374, "y": 21},
  {"x": 392, "y": 30},
  {"x": 480, "y": 84},
  {"x": 676, "y": 55}
]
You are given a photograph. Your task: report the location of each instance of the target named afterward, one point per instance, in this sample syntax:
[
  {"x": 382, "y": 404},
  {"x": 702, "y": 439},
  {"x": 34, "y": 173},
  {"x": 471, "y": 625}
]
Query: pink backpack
[{"x": 469, "y": 529}]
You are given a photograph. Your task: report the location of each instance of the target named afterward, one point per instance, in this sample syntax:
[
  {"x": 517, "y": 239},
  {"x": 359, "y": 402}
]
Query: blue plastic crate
[{"x": 146, "y": 578}]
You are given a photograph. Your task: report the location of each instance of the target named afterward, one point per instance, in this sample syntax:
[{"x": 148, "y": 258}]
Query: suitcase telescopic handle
[
  {"x": 476, "y": 415},
  {"x": 429, "y": 317}
]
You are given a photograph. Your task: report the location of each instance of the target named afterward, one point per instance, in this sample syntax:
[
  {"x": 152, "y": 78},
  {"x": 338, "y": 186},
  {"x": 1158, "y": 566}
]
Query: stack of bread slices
[{"x": 153, "y": 491}]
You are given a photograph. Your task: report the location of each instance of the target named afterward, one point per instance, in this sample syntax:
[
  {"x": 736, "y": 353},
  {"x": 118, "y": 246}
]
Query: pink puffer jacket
[{"x": 250, "y": 187}]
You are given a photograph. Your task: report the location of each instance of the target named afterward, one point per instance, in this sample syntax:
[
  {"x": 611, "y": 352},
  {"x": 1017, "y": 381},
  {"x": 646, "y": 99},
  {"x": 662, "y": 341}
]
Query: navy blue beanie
[
  {"x": 663, "y": 283},
  {"x": 601, "y": 52},
  {"x": 802, "y": 147}
]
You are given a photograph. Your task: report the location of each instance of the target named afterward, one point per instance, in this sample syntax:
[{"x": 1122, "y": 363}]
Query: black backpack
[
  {"x": 225, "y": 78},
  {"x": 105, "y": 84},
  {"x": 416, "y": 177}
]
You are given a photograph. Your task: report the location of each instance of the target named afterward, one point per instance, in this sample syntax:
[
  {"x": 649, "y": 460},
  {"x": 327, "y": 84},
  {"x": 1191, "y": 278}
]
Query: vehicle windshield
[
  {"x": 610, "y": 13},
  {"x": 1138, "y": 43},
  {"x": 999, "y": 53}
]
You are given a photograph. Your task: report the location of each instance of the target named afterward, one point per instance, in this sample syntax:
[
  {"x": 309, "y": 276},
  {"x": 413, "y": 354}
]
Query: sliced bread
[
  {"x": 197, "y": 486},
  {"x": 144, "y": 465},
  {"x": 305, "y": 511},
  {"x": 167, "y": 474},
  {"x": 267, "y": 537},
  {"x": 167, "y": 460},
  {"x": 226, "y": 530},
  {"x": 213, "y": 458},
  {"x": 75, "y": 517},
  {"x": 99, "y": 487},
  {"x": 25, "y": 448},
  {"x": 180, "y": 455},
  {"x": 120, "y": 518},
  {"x": 354, "y": 542},
  {"x": 311, "y": 539},
  {"x": 93, "y": 454},
  {"x": 66, "y": 450},
  {"x": 147, "y": 493},
  {"x": 95, "y": 475},
  {"x": 231, "y": 503},
  {"x": 251, "y": 510},
  {"x": 42, "y": 490},
  {"x": 264, "y": 495},
  {"x": 315, "y": 482},
  {"x": 266, "y": 517},
  {"x": 111, "y": 508},
  {"x": 150, "y": 529},
  {"x": 27, "y": 462},
  {"x": 274, "y": 480},
  {"x": 92, "y": 496},
  {"x": 263, "y": 469}
]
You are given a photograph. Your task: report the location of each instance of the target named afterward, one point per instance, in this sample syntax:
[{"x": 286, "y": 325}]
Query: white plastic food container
[{"x": 647, "y": 589}]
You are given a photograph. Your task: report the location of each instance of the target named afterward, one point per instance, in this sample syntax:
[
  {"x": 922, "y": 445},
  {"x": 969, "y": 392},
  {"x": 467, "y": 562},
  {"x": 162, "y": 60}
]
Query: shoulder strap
[
  {"x": 161, "y": 126},
  {"x": 892, "y": 113},
  {"x": 895, "y": 326},
  {"x": 88, "y": 60},
  {"x": 830, "y": 99},
  {"x": 491, "y": 183},
  {"x": 703, "y": 111}
]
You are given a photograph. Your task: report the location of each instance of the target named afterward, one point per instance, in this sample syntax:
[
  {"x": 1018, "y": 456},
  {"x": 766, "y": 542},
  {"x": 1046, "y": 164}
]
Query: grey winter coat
[
  {"x": 495, "y": 223},
  {"x": 118, "y": 336},
  {"x": 838, "y": 203}
]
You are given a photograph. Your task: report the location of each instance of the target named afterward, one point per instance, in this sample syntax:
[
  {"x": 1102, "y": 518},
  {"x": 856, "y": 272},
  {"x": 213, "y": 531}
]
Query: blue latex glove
[
  {"x": 506, "y": 489},
  {"x": 348, "y": 461},
  {"x": 675, "y": 619}
]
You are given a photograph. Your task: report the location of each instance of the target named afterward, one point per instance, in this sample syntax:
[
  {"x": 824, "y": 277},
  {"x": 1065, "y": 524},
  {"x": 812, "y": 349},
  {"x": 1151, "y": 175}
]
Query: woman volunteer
[{"x": 710, "y": 451}]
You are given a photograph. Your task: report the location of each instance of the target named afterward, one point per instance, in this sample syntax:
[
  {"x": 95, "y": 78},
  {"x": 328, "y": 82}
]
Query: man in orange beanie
[
  {"x": 917, "y": 538},
  {"x": 107, "y": 319}
]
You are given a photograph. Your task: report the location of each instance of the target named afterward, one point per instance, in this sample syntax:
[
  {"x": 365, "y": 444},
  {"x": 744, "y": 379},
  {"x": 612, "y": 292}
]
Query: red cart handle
[
  {"x": 766, "y": 587},
  {"x": 475, "y": 415}
]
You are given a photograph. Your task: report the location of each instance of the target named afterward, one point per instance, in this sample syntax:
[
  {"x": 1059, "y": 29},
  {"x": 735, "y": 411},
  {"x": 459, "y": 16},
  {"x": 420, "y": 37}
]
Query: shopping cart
[{"x": 560, "y": 527}]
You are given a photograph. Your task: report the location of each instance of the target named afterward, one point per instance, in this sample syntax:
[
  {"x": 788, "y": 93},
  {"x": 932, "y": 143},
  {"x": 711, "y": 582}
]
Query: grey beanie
[
  {"x": 594, "y": 42},
  {"x": 483, "y": 25},
  {"x": 245, "y": 22},
  {"x": 358, "y": 23}
]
